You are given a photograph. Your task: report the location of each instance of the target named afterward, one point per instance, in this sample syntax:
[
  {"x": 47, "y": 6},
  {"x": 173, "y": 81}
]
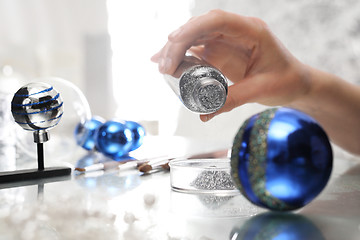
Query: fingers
[
  {"x": 233, "y": 100},
  {"x": 225, "y": 40},
  {"x": 197, "y": 51},
  {"x": 169, "y": 60},
  {"x": 214, "y": 23},
  {"x": 245, "y": 91},
  {"x": 200, "y": 30},
  {"x": 156, "y": 57}
]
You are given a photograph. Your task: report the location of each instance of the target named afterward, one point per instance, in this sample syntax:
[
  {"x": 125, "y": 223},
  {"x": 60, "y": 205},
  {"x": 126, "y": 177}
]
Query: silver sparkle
[
  {"x": 201, "y": 87},
  {"x": 213, "y": 180}
]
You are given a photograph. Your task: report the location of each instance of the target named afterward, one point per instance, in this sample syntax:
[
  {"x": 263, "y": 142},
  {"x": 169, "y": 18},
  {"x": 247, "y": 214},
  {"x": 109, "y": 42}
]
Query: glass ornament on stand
[{"x": 76, "y": 110}]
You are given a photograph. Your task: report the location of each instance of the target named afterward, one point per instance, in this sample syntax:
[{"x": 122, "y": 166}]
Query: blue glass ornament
[
  {"x": 277, "y": 225},
  {"x": 37, "y": 107},
  {"x": 281, "y": 159},
  {"x": 114, "y": 139},
  {"x": 138, "y": 134},
  {"x": 85, "y": 132}
]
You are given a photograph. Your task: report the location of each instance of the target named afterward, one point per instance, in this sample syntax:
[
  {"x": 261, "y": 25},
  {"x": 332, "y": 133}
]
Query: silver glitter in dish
[
  {"x": 213, "y": 180},
  {"x": 201, "y": 87}
]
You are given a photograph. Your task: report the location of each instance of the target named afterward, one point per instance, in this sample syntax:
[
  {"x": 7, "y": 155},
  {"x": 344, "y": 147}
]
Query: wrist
[{"x": 311, "y": 84}]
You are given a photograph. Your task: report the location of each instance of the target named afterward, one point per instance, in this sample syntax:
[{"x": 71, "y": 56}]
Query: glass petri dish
[{"x": 207, "y": 176}]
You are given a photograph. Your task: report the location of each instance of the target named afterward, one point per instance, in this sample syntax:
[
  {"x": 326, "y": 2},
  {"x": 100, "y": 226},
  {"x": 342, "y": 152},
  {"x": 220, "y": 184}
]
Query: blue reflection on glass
[
  {"x": 88, "y": 160},
  {"x": 110, "y": 182},
  {"x": 276, "y": 225}
]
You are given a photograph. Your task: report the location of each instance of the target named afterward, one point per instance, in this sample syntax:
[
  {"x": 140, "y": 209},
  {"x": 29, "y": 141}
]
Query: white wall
[
  {"x": 40, "y": 38},
  {"x": 321, "y": 33},
  {"x": 70, "y": 39}
]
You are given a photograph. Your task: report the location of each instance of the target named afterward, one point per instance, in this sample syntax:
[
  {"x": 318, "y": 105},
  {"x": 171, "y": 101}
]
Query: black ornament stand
[{"x": 34, "y": 174}]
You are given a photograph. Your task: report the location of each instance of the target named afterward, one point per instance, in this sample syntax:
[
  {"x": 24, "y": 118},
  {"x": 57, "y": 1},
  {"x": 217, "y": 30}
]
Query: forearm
[{"x": 335, "y": 104}]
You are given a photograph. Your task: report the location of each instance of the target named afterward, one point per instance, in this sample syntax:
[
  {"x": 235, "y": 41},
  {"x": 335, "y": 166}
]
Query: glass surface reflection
[
  {"x": 211, "y": 205},
  {"x": 276, "y": 225},
  {"x": 110, "y": 182}
]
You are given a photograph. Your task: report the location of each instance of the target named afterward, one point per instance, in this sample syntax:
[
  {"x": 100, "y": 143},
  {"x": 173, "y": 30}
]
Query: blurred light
[
  {"x": 7, "y": 70},
  {"x": 138, "y": 29},
  {"x": 281, "y": 130},
  {"x": 282, "y": 188}
]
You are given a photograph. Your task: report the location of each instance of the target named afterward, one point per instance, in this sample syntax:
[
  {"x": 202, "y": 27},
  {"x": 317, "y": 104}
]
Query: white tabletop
[{"x": 128, "y": 205}]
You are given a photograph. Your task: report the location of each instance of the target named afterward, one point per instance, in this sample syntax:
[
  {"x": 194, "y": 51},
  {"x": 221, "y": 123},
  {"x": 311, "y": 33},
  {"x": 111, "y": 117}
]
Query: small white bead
[
  {"x": 149, "y": 199},
  {"x": 129, "y": 218}
]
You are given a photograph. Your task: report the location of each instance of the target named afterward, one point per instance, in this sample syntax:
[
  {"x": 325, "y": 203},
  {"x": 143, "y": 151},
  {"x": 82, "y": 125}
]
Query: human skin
[{"x": 264, "y": 71}]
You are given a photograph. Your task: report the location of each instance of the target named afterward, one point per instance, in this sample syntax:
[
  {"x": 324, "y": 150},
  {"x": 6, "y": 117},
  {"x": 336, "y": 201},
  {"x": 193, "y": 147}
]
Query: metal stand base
[
  {"x": 41, "y": 174},
  {"x": 33, "y": 174}
]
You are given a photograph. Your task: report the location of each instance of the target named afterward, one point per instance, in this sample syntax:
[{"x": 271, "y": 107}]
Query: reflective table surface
[{"x": 127, "y": 204}]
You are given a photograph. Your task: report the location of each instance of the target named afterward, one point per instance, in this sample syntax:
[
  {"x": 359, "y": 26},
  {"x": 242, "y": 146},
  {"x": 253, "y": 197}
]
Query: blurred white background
[{"x": 104, "y": 47}]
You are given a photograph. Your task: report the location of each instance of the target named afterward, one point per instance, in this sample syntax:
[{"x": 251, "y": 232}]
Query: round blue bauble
[
  {"x": 138, "y": 134},
  {"x": 85, "y": 132},
  {"x": 113, "y": 139},
  {"x": 281, "y": 159}
]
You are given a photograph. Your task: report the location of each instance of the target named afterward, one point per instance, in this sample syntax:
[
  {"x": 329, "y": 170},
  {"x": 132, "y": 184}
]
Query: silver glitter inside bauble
[
  {"x": 37, "y": 107},
  {"x": 209, "y": 95},
  {"x": 201, "y": 87}
]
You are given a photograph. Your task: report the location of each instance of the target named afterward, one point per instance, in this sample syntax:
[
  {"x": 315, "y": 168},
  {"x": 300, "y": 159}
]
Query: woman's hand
[
  {"x": 264, "y": 71},
  {"x": 248, "y": 54}
]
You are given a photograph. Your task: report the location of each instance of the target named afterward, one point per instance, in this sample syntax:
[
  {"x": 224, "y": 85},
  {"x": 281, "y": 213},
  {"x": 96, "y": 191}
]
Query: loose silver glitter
[
  {"x": 213, "y": 180},
  {"x": 201, "y": 87}
]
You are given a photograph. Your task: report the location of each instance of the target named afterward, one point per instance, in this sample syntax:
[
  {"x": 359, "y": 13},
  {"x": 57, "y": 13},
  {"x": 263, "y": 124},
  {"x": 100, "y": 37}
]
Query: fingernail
[
  {"x": 209, "y": 117},
  {"x": 206, "y": 118},
  {"x": 155, "y": 58},
  {"x": 164, "y": 65},
  {"x": 175, "y": 33}
]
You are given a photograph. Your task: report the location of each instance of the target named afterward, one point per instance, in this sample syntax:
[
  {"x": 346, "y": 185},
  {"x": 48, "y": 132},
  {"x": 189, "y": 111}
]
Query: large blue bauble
[
  {"x": 114, "y": 139},
  {"x": 85, "y": 132},
  {"x": 281, "y": 159},
  {"x": 138, "y": 134}
]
